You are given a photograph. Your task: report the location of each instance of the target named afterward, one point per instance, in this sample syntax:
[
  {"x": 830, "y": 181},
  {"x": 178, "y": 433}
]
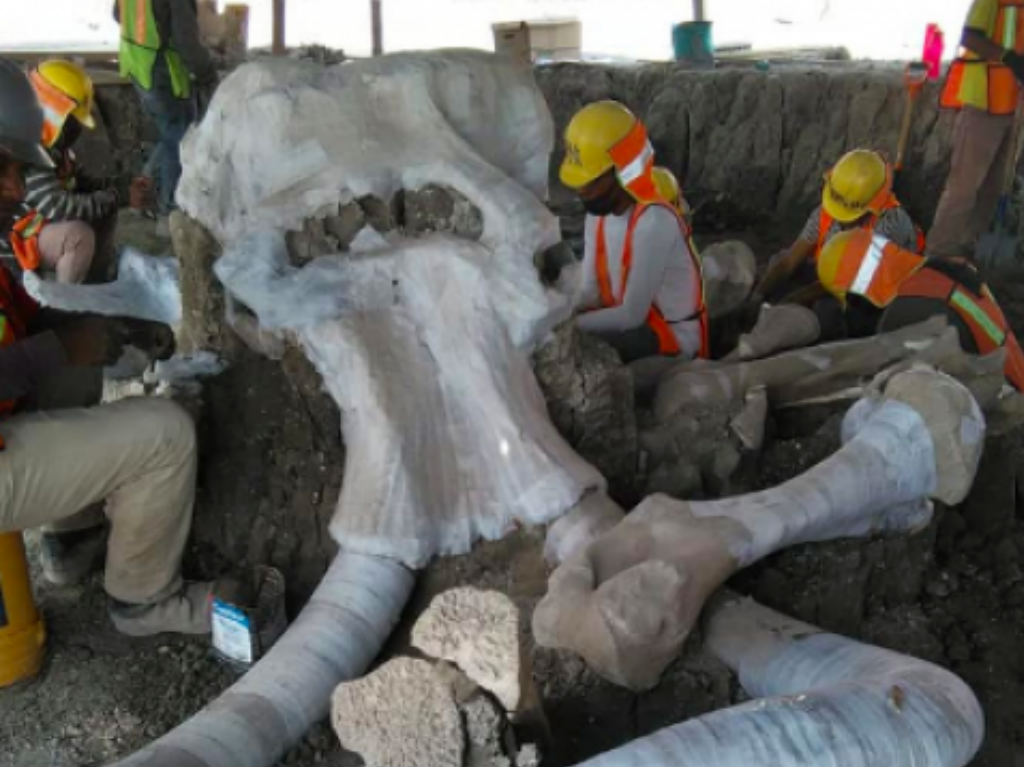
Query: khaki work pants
[
  {"x": 138, "y": 454},
  {"x": 981, "y": 149}
]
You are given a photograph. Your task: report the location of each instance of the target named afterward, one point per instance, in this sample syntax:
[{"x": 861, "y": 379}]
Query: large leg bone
[
  {"x": 627, "y": 601},
  {"x": 822, "y": 699}
]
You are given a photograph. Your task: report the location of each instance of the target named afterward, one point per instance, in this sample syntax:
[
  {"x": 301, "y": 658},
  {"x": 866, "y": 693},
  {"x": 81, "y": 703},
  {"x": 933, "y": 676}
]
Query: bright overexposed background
[{"x": 640, "y": 29}]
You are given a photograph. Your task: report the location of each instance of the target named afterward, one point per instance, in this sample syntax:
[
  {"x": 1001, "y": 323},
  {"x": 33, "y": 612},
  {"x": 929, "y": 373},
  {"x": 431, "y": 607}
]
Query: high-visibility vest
[
  {"x": 634, "y": 164},
  {"x": 872, "y": 267},
  {"x": 1001, "y": 87},
  {"x": 825, "y": 222},
  {"x": 56, "y": 106},
  {"x": 141, "y": 46},
  {"x": 24, "y": 239},
  {"x": 668, "y": 344},
  {"x": 980, "y": 313}
]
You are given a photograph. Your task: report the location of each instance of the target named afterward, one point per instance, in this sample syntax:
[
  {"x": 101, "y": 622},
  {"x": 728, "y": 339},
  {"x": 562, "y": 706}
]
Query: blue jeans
[{"x": 172, "y": 117}]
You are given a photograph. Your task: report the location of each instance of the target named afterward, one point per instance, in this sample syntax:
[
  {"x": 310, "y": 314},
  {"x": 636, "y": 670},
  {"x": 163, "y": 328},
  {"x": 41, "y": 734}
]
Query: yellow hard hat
[
  {"x": 668, "y": 184},
  {"x": 828, "y": 264},
  {"x": 860, "y": 183},
  {"x": 589, "y": 138},
  {"x": 71, "y": 80}
]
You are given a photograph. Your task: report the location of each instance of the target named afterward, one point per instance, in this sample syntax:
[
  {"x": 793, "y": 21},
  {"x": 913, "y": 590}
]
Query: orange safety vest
[
  {"x": 25, "y": 240},
  {"x": 1003, "y": 90},
  {"x": 668, "y": 344},
  {"x": 981, "y": 314},
  {"x": 874, "y": 267},
  {"x": 825, "y": 222}
]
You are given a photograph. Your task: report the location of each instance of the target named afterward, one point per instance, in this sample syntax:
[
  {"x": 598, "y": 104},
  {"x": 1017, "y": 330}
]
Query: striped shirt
[{"x": 55, "y": 199}]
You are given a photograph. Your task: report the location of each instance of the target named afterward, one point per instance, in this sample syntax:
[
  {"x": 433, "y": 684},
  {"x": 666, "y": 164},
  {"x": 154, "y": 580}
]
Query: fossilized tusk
[
  {"x": 336, "y": 637},
  {"x": 822, "y": 699}
]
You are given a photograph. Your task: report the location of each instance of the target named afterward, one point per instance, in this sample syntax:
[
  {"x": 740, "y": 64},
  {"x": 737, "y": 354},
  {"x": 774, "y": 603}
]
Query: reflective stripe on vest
[
  {"x": 634, "y": 164},
  {"x": 981, "y": 314},
  {"x": 141, "y": 45},
  {"x": 1002, "y": 90},
  {"x": 874, "y": 267},
  {"x": 668, "y": 344},
  {"x": 24, "y": 238}
]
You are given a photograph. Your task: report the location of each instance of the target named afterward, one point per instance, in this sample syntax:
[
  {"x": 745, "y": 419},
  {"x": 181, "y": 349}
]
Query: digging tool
[
  {"x": 914, "y": 78},
  {"x": 999, "y": 245}
]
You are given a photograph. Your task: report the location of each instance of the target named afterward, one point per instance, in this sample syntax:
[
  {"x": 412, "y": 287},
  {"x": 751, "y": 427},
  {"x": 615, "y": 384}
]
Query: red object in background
[{"x": 934, "y": 44}]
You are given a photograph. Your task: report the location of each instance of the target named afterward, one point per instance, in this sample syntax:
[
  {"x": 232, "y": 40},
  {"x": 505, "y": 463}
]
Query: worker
[
  {"x": 861, "y": 271},
  {"x": 883, "y": 287},
  {"x": 58, "y": 227},
  {"x": 857, "y": 193},
  {"x": 983, "y": 83},
  {"x": 163, "y": 56},
  {"x": 137, "y": 454},
  {"x": 642, "y": 289}
]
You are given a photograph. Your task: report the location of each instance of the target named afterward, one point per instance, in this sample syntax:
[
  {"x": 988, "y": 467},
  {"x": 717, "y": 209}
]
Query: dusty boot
[
  {"x": 68, "y": 558},
  {"x": 186, "y": 611}
]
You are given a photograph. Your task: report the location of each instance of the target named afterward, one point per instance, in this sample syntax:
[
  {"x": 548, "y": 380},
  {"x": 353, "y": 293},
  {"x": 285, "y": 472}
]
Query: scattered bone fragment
[
  {"x": 780, "y": 327},
  {"x": 403, "y": 713},
  {"x": 479, "y": 632}
]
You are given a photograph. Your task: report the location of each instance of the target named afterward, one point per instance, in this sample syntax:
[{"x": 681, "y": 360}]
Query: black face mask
[{"x": 600, "y": 206}]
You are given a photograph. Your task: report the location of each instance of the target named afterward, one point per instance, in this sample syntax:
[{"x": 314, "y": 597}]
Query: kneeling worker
[
  {"x": 883, "y": 287},
  {"x": 59, "y": 227},
  {"x": 857, "y": 194},
  {"x": 137, "y": 454},
  {"x": 642, "y": 284}
]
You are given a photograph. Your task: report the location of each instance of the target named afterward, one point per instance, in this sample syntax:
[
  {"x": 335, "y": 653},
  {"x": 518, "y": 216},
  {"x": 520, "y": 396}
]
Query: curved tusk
[
  {"x": 825, "y": 699},
  {"x": 336, "y": 637}
]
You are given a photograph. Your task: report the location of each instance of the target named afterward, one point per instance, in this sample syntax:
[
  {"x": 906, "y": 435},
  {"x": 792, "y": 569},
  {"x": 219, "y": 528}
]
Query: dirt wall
[{"x": 752, "y": 145}]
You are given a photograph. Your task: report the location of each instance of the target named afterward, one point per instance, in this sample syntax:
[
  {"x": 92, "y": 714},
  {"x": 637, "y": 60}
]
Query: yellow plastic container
[{"x": 22, "y": 634}]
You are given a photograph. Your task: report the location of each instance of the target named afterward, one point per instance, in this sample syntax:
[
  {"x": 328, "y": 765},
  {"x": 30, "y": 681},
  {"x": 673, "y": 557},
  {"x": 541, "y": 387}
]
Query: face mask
[{"x": 600, "y": 206}]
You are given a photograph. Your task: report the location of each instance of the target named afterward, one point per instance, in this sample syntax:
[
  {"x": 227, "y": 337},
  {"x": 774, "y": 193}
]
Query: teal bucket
[{"x": 691, "y": 42}]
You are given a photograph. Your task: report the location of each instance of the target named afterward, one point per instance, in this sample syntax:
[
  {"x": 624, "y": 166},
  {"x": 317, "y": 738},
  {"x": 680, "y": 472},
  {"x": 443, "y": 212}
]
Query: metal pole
[
  {"x": 698, "y": 10},
  {"x": 378, "y": 28},
  {"x": 278, "y": 46}
]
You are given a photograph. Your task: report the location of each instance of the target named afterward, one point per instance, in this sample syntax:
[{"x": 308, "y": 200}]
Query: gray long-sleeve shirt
[{"x": 177, "y": 22}]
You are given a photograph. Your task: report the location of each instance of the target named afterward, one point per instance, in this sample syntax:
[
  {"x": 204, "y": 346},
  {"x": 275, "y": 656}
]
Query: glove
[
  {"x": 92, "y": 341},
  {"x": 154, "y": 338},
  {"x": 1015, "y": 62}
]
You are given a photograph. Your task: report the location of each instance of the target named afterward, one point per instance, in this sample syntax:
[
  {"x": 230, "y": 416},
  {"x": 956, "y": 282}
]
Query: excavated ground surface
[{"x": 272, "y": 457}]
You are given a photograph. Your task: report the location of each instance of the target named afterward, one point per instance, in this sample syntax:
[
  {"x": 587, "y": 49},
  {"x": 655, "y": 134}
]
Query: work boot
[
  {"x": 68, "y": 558},
  {"x": 187, "y": 611}
]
